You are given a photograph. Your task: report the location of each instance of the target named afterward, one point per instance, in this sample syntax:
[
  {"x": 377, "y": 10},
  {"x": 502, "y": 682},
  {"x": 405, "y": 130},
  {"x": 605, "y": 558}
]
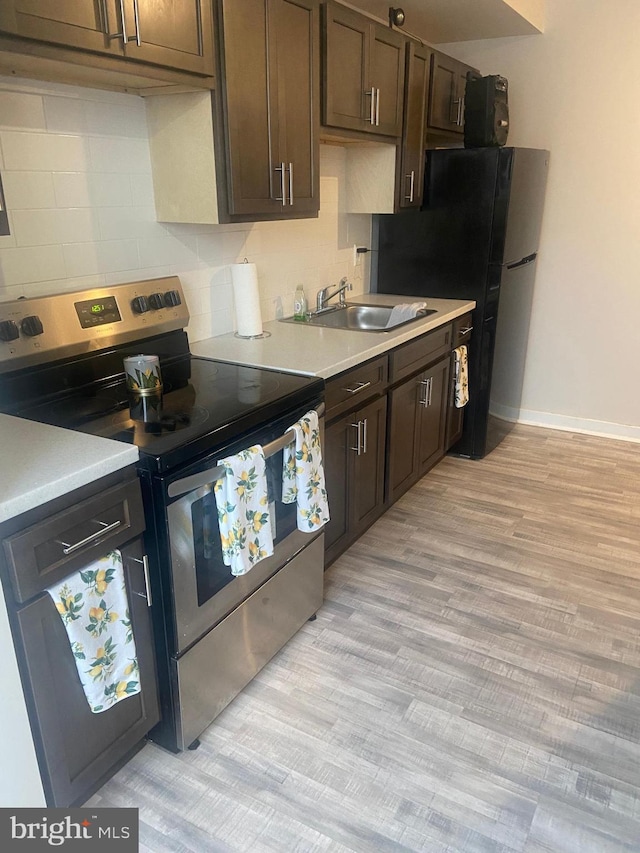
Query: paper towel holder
[
  {"x": 246, "y": 327},
  {"x": 252, "y": 337}
]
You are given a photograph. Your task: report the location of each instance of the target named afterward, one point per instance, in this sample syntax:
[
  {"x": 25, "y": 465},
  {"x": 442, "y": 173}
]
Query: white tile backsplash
[
  {"x": 21, "y": 112},
  {"x": 26, "y": 190},
  {"x": 43, "y": 227},
  {"x": 77, "y": 176},
  {"x": 44, "y": 152},
  {"x": 93, "y": 189},
  {"x": 110, "y": 256},
  {"x": 32, "y": 264}
]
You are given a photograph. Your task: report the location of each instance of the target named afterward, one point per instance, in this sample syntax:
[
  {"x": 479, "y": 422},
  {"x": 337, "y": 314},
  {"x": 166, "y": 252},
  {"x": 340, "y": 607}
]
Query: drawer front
[
  {"x": 418, "y": 353},
  {"x": 48, "y": 551},
  {"x": 355, "y": 386},
  {"x": 462, "y": 328}
]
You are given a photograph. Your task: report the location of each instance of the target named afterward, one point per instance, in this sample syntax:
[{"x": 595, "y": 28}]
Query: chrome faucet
[{"x": 323, "y": 295}]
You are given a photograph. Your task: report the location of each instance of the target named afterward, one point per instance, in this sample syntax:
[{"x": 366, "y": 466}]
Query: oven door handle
[{"x": 195, "y": 481}]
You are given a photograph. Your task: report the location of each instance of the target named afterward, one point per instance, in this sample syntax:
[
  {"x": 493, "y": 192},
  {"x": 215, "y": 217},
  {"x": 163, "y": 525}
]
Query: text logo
[{"x": 27, "y": 830}]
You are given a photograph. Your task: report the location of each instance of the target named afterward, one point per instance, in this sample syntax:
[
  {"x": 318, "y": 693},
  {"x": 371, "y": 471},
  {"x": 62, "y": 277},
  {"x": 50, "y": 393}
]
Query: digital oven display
[{"x": 98, "y": 312}]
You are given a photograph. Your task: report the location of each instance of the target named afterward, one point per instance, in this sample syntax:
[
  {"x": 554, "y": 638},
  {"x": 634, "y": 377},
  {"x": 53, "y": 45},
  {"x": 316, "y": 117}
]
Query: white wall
[
  {"x": 77, "y": 180},
  {"x": 576, "y": 91}
]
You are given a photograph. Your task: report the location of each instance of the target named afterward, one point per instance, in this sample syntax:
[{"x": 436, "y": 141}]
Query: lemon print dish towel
[
  {"x": 94, "y": 609},
  {"x": 303, "y": 474},
  {"x": 243, "y": 510}
]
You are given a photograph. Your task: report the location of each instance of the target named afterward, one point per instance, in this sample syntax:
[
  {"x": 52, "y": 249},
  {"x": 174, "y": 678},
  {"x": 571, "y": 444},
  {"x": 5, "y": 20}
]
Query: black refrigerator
[{"x": 476, "y": 237}]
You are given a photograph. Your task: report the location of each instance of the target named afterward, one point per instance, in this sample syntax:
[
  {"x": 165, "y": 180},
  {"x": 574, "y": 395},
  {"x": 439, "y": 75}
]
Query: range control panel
[{"x": 40, "y": 329}]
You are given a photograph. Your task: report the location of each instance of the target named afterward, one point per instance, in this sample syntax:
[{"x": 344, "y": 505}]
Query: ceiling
[{"x": 439, "y": 21}]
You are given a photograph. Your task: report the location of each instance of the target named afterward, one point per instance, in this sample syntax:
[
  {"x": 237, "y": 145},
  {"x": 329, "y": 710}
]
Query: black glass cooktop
[{"x": 204, "y": 404}]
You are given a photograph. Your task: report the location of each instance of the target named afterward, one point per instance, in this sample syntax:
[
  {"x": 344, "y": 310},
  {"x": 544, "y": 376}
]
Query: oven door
[{"x": 203, "y": 589}]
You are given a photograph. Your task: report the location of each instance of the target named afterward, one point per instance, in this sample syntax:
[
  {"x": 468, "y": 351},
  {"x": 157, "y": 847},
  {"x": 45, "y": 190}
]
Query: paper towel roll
[{"x": 246, "y": 298}]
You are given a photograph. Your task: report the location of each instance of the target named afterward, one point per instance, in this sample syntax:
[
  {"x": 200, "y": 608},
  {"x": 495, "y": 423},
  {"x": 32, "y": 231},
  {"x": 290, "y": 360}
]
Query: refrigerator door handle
[{"x": 522, "y": 262}]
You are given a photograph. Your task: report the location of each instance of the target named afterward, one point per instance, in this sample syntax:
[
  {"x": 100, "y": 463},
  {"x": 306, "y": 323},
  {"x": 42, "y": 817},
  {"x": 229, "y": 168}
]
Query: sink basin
[{"x": 359, "y": 318}]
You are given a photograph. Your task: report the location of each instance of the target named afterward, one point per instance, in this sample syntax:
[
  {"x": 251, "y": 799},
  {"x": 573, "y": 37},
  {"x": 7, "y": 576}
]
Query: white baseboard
[{"x": 603, "y": 429}]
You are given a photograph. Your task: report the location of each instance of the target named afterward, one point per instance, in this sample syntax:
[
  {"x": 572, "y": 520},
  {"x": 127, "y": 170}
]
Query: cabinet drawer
[
  {"x": 355, "y": 386},
  {"x": 418, "y": 353},
  {"x": 462, "y": 328},
  {"x": 48, "y": 551}
]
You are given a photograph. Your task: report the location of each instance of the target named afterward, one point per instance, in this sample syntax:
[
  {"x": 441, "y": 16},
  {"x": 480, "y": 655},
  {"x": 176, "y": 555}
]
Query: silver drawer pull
[
  {"x": 466, "y": 331},
  {"x": 106, "y": 528},
  {"x": 359, "y": 387}
]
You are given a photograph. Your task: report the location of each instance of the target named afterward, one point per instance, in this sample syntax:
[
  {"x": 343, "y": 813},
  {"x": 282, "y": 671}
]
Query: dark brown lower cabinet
[
  {"x": 354, "y": 469},
  {"x": 417, "y": 426},
  {"x": 76, "y": 748}
]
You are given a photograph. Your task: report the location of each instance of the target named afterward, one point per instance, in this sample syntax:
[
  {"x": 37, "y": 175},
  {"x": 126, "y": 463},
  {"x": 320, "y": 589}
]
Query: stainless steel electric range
[{"x": 61, "y": 363}]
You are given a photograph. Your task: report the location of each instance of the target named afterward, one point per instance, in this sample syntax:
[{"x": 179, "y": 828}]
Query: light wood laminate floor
[{"x": 472, "y": 682}]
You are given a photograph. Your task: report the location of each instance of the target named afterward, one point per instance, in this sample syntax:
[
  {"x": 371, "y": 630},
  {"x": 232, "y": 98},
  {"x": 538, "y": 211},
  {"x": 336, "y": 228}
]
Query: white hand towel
[
  {"x": 462, "y": 377},
  {"x": 303, "y": 474},
  {"x": 94, "y": 609},
  {"x": 404, "y": 311},
  {"x": 243, "y": 510}
]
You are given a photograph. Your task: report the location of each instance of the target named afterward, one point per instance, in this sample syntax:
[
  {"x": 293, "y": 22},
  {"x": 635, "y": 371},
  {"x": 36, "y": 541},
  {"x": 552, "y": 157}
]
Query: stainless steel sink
[{"x": 358, "y": 318}]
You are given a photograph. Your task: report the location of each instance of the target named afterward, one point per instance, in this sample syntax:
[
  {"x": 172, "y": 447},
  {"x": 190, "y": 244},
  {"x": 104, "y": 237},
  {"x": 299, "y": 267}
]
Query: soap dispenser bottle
[{"x": 300, "y": 304}]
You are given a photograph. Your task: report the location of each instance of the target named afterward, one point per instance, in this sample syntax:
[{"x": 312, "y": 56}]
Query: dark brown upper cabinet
[
  {"x": 416, "y": 94},
  {"x": 363, "y": 73},
  {"x": 270, "y": 107},
  {"x": 446, "y": 99},
  {"x": 176, "y": 35}
]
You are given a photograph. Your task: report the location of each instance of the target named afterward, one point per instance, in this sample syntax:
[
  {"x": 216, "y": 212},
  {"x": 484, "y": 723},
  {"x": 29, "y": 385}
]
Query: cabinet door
[
  {"x": 271, "y": 109},
  {"x": 339, "y": 439},
  {"x": 173, "y": 33},
  {"x": 81, "y": 24},
  {"x": 386, "y": 76},
  {"x": 294, "y": 37},
  {"x": 254, "y": 183},
  {"x": 446, "y": 99},
  {"x": 347, "y": 90},
  {"x": 76, "y": 747},
  {"x": 418, "y": 71},
  {"x": 366, "y": 486},
  {"x": 401, "y": 468},
  {"x": 432, "y": 415}
]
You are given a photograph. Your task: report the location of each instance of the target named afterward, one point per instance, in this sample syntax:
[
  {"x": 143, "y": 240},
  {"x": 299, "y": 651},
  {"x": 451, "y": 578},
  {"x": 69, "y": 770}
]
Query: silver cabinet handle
[
  {"x": 377, "y": 107},
  {"x": 290, "y": 183},
  {"x": 424, "y": 383},
  {"x": 359, "y": 387},
  {"x": 105, "y": 528},
  {"x": 136, "y": 19},
  {"x": 283, "y": 198},
  {"x": 372, "y": 105},
  {"x": 358, "y": 447},
  {"x": 459, "y": 121},
  {"x": 462, "y": 332},
  {"x": 428, "y": 385},
  {"x": 364, "y": 435},
  {"x": 147, "y": 583},
  {"x": 412, "y": 178},
  {"x": 123, "y": 34}
]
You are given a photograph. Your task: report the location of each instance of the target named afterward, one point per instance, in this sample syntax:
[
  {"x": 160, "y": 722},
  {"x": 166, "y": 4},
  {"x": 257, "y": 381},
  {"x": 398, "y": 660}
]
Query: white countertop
[
  {"x": 324, "y": 352},
  {"x": 39, "y": 462}
]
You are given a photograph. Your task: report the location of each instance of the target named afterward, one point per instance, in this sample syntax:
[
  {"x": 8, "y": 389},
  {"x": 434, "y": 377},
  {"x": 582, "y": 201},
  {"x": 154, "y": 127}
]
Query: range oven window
[{"x": 211, "y": 572}]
